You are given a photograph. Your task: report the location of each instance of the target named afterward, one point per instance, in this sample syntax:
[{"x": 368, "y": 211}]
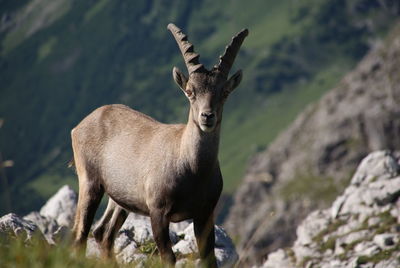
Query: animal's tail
[{"x": 71, "y": 164}]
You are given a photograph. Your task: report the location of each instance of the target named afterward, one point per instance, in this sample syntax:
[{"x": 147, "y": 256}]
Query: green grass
[
  {"x": 37, "y": 253},
  {"x": 48, "y": 184},
  {"x": 15, "y": 252},
  {"x": 46, "y": 48},
  {"x": 378, "y": 257},
  {"x": 100, "y": 5},
  {"x": 333, "y": 226}
]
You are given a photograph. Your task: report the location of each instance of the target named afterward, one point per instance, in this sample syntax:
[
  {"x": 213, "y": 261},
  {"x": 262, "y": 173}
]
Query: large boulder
[
  {"x": 360, "y": 229},
  {"x": 61, "y": 206},
  {"x": 56, "y": 217},
  {"x": 46, "y": 225}
]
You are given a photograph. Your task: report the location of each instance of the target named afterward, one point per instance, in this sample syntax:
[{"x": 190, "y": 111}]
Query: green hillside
[{"x": 60, "y": 59}]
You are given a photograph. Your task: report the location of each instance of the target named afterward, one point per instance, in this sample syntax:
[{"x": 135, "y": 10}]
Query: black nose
[{"x": 207, "y": 115}]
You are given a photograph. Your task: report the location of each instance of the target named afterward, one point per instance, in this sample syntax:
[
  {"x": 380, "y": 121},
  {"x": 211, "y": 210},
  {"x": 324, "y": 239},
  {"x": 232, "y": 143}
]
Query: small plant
[
  {"x": 332, "y": 227},
  {"x": 387, "y": 222},
  {"x": 149, "y": 248},
  {"x": 378, "y": 257},
  {"x": 329, "y": 244}
]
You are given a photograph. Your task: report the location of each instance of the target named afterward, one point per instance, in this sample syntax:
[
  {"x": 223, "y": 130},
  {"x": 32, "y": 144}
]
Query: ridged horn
[
  {"x": 191, "y": 58},
  {"x": 227, "y": 59}
]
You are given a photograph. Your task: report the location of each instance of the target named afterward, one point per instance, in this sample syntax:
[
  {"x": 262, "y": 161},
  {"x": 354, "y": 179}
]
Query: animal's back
[{"x": 121, "y": 146}]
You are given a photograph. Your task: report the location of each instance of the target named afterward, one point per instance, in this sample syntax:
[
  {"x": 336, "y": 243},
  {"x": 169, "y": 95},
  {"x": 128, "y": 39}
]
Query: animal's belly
[
  {"x": 128, "y": 195},
  {"x": 178, "y": 217},
  {"x": 185, "y": 208}
]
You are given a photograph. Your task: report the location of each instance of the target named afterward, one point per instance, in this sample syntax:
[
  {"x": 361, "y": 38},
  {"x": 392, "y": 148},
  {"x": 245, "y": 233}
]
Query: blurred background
[{"x": 60, "y": 59}]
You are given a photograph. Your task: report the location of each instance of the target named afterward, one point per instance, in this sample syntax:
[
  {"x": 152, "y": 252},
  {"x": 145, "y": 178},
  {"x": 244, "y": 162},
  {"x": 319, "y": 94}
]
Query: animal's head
[{"x": 207, "y": 90}]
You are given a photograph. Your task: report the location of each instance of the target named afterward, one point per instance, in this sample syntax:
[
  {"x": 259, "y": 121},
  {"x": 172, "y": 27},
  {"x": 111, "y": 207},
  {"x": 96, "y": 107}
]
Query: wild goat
[{"x": 169, "y": 172}]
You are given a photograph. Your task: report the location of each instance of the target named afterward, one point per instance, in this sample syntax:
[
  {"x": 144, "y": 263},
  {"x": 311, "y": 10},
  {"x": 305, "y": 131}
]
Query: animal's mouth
[{"x": 208, "y": 124}]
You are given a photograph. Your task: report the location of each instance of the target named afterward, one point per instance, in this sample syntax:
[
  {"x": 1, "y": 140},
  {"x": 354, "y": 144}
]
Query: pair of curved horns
[{"x": 192, "y": 58}]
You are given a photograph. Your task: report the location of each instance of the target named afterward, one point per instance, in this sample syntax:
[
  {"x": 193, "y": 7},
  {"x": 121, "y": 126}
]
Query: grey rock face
[
  {"x": 14, "y": 226},
  {"x": 278, "y": 258},
  {"x": 61, "y": 206},
  {"x": 52, "y": 221},
  {"x": 386, "y": 241},
  {"x": 47, "y": 226},
  {"x": 359, "y": 230},
  {"x": 325, "y": 143},
  {"x": 136, "y": 232},
  {"x": 225, "y": 251}
]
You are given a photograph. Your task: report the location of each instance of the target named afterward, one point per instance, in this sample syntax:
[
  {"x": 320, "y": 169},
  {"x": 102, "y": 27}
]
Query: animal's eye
[{"x": 189, "y": 93}]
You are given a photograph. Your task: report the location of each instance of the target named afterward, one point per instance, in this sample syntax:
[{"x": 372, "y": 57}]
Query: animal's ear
[
  {"x": 179, "y": 78},
  {"x": 232, "y": 83}
]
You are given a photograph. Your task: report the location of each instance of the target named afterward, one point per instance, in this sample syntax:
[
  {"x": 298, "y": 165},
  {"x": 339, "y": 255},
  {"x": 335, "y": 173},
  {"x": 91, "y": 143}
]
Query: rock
[
  {"x": 47, "y": 226},
  {"x": 391, "y": 263},
  {"x": 326, "y": 142},
  {"x": 177, "y": 227},
  {"x": 129, "y": 254},
  {"x": 125, "y": 246},
  {"x": 385, "y": 241},
  {"x": 353, "y": 233},
  {"x": 225, "y": 251},
  {"x": 367, "y": 190},
  {"x": 92, "y": 248},
  {"x": 13, "y": 226},
  {"x": 376, "y": 164},
  {"x": 313, "y": 224},
  {"x": 351, "y": 238},
  {"x": 136, "y": 231},
  {"x": 278, "y": 259},
  {"x": 366, "y": 248},
  {"x": 373, "y": 221},
  {"x": 61, "y": 207}
]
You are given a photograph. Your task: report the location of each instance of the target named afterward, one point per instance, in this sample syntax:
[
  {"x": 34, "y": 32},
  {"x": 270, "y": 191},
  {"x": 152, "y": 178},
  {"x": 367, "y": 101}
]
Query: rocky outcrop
[
  {"x": 309, "y": 163},
  {"x": 360, "y": 229},
  {"x": 133, "y": 244},
  {"x": 13, "y": 226},
  {"x": 61, "y": 206},
  {"x": 53, "y": 221}
]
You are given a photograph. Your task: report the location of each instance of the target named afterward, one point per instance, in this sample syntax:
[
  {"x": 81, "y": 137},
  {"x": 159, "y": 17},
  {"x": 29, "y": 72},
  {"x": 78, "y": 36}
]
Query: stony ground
[
  {"x": 360, "y": 229},
  {"x": 133, "y": 244}
]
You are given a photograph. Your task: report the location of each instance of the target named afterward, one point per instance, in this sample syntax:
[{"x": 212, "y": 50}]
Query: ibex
[{"x": 169, "y": 172}]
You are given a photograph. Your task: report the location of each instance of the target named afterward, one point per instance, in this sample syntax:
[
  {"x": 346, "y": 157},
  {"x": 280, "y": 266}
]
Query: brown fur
[{"x": 169, "y": 172}]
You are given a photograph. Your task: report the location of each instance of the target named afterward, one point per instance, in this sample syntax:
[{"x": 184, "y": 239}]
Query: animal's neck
[{"x": 199, "y": 148}]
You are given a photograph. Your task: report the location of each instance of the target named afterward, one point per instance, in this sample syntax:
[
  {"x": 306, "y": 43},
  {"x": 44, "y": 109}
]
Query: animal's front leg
[
  {"x": 160, "y": 226},
  {"x": 204, "y": 231}
]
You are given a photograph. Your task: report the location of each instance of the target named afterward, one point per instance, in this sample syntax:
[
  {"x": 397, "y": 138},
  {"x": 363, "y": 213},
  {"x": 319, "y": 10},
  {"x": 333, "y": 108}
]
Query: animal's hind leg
[
  {"x": 101, "y": 225},
  {"x": 109, "y": 224},
  {"x": 90, "y": 194}
]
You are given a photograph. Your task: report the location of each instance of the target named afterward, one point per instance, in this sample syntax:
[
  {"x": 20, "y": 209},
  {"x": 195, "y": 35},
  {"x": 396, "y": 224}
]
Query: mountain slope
[
  {"x": 60, "y": 59},
  {"x": 310, "y": 162},
  {"x": 359, "y": 229}
]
